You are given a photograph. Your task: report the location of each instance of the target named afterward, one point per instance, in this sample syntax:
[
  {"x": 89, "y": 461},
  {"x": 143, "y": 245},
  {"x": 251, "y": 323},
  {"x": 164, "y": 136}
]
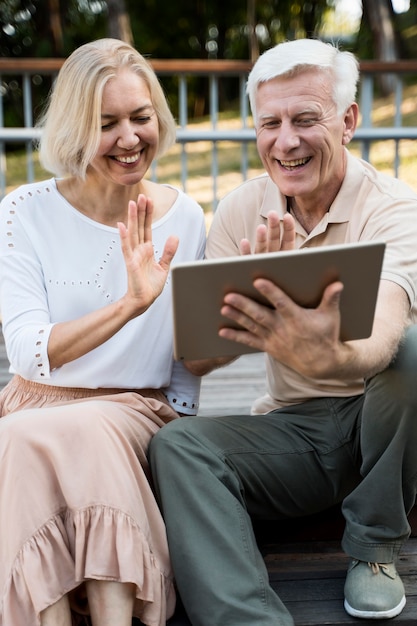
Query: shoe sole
[{"x": 375, "y": 614}]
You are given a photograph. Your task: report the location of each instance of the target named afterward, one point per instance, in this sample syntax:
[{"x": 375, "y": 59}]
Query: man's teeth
[
  {"x": 127, "y": 159},
  {"x": 294, "y": 163}
]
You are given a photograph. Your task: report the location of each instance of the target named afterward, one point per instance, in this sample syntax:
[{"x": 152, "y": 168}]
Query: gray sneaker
[{"x": 373, "y": 590}]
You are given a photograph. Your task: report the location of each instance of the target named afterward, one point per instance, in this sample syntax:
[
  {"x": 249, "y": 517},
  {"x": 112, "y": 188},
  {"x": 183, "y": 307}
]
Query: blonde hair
[
  {"x": 71, "y": 122},
  {"x": 293, "y": 57}
]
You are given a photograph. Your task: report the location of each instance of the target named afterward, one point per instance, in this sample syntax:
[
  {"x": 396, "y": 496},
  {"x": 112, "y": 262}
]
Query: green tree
[
  {"x": 24, "y": 31},
  {"x": 186, "y": 29}
]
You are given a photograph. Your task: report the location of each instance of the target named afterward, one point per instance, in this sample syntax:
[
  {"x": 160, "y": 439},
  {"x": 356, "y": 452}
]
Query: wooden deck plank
[{"x": 232, "y": 389}]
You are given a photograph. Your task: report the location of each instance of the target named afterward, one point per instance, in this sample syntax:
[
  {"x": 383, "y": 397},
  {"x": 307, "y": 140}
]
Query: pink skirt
[{"x": 76, "y": 501}]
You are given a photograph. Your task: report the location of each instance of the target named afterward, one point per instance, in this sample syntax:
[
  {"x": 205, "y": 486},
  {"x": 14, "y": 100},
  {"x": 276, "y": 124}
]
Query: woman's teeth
[{"x": 127, "y": 159}]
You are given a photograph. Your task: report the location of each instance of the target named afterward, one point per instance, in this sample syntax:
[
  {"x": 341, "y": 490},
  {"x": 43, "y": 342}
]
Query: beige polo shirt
[{"x": 369, "y": 206}]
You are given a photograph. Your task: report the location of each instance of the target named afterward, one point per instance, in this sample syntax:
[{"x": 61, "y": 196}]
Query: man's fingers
[
  {"x": 244, "y": 247},
  {"x": 331, "y": 296},
  {"x": 273, "y": 232},
  {"x": 272, "y": 236},
  {"x": 288, "y": 232},
  {"x": 261, "y": 239}
]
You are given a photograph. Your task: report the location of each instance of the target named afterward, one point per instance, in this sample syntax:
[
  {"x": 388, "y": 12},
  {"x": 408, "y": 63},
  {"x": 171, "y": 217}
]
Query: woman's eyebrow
[{"x": 139, "y": 110}]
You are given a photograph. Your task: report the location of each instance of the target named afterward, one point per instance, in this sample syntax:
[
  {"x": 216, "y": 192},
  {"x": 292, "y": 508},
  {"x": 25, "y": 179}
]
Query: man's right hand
[
  {"x": 268, "y": 236},
  {"x": 268, "y": 239}
]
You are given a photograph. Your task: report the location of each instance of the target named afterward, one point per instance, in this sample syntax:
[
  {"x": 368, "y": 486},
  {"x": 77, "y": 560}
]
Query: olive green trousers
[{"x": 214, "y": 475}]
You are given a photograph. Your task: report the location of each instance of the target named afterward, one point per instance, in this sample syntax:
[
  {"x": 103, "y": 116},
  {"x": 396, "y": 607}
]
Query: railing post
[
  {"x": 214, "y": 71},
  {"x": 28, "y": 120},
  {"x": 243, "y": 100},
  {"x": 367, "y": 89},
  {"x": 214, "y": 109},
  {"x": 3, "y": 160},
  {"x": 398, "y": 120},
  {"x": 183, "y": 121}
]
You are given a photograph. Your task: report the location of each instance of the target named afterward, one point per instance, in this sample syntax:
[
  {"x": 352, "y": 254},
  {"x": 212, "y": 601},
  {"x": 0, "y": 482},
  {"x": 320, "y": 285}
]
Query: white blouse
[{"x": 56, "y": 264}]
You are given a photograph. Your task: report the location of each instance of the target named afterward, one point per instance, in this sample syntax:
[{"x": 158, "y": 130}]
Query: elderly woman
[{"x": 86, "y": 310}]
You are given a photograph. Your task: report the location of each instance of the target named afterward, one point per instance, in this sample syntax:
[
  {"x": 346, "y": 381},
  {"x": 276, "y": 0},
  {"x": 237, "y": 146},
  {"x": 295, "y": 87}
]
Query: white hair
[{"x": 293, "y": 57}]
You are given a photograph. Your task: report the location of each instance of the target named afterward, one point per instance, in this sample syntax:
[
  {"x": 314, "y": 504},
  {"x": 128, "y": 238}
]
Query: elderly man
[{"x": 339, "y": 421}]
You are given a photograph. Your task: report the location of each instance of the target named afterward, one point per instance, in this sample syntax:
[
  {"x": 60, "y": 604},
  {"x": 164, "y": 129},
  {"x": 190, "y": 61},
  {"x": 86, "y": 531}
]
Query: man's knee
[
  {"x": 168, "y": 442},
  {"x": 168, "y": 433}
]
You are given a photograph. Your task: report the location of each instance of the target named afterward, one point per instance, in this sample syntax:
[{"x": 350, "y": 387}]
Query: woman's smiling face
[
  {"x": 301, "y": 136},
  {"x": 129, "y": 130}
]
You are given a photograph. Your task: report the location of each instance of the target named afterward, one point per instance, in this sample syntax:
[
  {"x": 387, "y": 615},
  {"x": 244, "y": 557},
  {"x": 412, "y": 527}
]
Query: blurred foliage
[
  {"x": 181, "y": 29},
  {"x": 204, "y": 29}
]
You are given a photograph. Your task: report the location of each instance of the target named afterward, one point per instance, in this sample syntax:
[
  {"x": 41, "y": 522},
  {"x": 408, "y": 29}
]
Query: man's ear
[{"x": 350, "y": 123}]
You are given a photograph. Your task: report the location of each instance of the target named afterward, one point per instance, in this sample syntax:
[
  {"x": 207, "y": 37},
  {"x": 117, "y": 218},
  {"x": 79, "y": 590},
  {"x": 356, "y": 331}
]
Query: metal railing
[{"x": 24, "y": 75}]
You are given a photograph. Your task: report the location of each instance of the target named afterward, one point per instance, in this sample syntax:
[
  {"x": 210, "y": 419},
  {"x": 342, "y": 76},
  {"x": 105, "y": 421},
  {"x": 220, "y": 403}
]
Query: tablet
[{"x": 199, "y": 287}]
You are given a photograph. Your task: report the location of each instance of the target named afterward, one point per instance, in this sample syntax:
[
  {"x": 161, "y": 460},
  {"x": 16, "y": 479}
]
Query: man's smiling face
[{"x": 301, "y": 136}]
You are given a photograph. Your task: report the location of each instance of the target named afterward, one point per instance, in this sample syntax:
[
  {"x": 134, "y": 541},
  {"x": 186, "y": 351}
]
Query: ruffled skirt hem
[
  {"x": 42, "y": 568},
  {"x": 76, "y": 502}
]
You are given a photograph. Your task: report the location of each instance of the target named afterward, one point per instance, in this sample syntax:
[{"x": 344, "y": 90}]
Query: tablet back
[{"x": 199, "y": 288}]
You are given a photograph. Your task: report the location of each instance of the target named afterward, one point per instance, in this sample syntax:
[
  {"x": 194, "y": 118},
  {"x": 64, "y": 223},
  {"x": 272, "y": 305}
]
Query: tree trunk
[
  {"x": 56, "y": 26},
  {"x": 379, "y": 15},
  {"x": 119, "y": 21},
  {"x": 253, "y": 39}
]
